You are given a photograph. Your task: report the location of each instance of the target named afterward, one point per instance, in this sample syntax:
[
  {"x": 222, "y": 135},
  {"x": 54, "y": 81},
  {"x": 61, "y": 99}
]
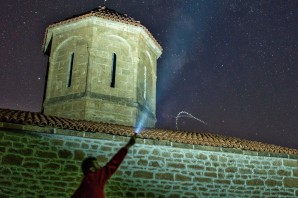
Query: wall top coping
[{"x": 37, "y": 122}]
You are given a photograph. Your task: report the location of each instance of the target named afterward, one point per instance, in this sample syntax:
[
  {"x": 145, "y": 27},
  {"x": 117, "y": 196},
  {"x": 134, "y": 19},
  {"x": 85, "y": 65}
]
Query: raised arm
[{"x": 110, "y": 168}]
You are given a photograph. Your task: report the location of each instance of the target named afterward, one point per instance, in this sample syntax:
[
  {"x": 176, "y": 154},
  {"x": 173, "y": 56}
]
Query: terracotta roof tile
[
  {"x": 109, "y": 14},
  {"x": 207, "y": 139}
]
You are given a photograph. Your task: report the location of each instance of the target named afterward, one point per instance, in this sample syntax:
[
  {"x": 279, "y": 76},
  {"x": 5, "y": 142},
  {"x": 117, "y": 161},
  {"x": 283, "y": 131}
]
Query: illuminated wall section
[{"x": 45, "y": 163}]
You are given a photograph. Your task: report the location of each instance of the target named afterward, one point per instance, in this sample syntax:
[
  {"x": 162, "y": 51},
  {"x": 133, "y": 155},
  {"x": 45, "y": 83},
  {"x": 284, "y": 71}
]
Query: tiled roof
[
  {"x": 206, "y": 139},
  {"x": 106, "y": 13}
]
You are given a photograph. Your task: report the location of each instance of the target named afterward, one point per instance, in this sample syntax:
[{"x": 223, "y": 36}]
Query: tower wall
[{"x": 86, "y": 51}]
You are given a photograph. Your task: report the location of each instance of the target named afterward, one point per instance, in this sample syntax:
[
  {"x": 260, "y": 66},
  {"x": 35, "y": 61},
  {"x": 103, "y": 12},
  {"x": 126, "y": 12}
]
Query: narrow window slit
[
  {"x": 70, "y": 66},
  {"x": 145, "y": 81},
  {"x": 113, "y": 79}
]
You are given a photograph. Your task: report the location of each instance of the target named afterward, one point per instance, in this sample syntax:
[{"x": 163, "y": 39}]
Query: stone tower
[{"x": 102, "y": 67}]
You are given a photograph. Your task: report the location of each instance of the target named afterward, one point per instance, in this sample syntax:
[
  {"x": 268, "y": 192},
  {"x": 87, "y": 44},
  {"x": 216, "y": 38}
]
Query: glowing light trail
[{"x": 185, "y": 114}]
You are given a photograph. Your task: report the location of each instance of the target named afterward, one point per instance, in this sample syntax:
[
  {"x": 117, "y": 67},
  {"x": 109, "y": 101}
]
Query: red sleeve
[{"x": 110, "y": 168}]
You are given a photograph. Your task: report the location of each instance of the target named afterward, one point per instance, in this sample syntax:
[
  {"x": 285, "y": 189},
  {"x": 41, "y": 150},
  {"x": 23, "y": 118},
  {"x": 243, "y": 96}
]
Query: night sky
[{"x": 230, "y": 63}]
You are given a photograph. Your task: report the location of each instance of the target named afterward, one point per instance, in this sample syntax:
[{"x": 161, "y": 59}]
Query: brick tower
[{"x": 102, "y": 67}]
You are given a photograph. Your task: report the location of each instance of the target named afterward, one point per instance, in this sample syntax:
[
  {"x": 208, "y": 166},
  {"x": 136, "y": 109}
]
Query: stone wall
[{"x": 45, "y": 163}]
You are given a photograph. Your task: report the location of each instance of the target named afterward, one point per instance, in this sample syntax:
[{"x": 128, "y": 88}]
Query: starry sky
[{"x": 231, "y": 64}]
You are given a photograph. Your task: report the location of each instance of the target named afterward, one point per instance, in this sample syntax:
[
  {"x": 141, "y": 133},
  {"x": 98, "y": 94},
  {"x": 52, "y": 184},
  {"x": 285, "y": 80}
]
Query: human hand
[{"x": 131, "y": 141}]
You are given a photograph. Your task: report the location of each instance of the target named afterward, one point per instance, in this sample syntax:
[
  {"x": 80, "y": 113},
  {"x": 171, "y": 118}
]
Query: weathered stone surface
[
  {"x": 143, "y": 174},
  {"x": 79, "y": 155},
  {"x": 260, "y": 171},
  {"x": 202, "y": 157},
  {"x": 291, "y": 182},
  {"x": 71, "y": 168},
  {"x": 210, "y": 174},
  {"x": 166, "y": 176},
  {"x": 66, "y": 154},
  {"x": 143, "y": 152},
  {"x": 231, "y": 169},
  {"x": 239, "y": 182},
  {"x": 245, "y": 171},
  {"x": 255, "y": 182},
  {"x": 52, "y": 166},
  {"x": 46, "y": 154},
  {"x": 33, "y": 165},
  {"x": 222, "y": 181},
  {"x": 203, "y": 179},
  {"x": 176, "y": 165},
  {"x": 12, "y": 159},
  {"x": 270, "y": 182},
  {"x": 179, "y": 177},
  {"x": 23, "y": 151},
  {"x": 283, "y": 172},
  {"x": 290, "y": 163}
]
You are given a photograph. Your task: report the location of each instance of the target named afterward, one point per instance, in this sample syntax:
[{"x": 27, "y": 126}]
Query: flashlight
[{"x": 133, "y": 148}]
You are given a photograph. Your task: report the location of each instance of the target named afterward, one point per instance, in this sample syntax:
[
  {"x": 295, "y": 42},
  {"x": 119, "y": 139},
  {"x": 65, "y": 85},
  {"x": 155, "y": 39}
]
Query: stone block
[
  {"x": 142, "y": 162},
  {"x": 196, "y": 167},
  {"x": 213, "y": 157},
  {"x": 238, "y": 182},
  {"x": 164, "y": 176},
  {"x": 210, "y": 174},
  {"x": 181, "y": 177},
  {"x": 277, "y": 163},
  {"x": 12, "y": 159},
  {"x": 245, "y": 171},
  {"x": 211, "y": 169},
  {"x": 176, "y": 165},
  {"x": 46, "y": 154},
  {"x": 165, "y": 154},
  {"x": 290, "y": 163},
  {"x": 72, "y": 144},
  {"x": 255, "y": 182},
  {"x": 290, "y": 182},
  {"x": 178, "y": 155},
  {"x": 71, "y": 168},
  {"x": 65, "y": 154},
  {"x": 284, "y": 173},
  {"x": 202, "y": 180},
  {"x": 33, "y": 165},
  {"x": 202, "y": 157},
  {"x": 52, "y": 166},
  {"x": 270, "y": 182},
  {"x": 260, "y": 171},
  {"x": 143, "y": 174},
  {"x": 79, "y": 155},
  {"x": 24, "y": 152},
  {"x": 231, "y": 169},
  {"x": 57, "y": 142},
  {"x": 156, "y": 164},
  {"x": 222, "y": 181}
]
